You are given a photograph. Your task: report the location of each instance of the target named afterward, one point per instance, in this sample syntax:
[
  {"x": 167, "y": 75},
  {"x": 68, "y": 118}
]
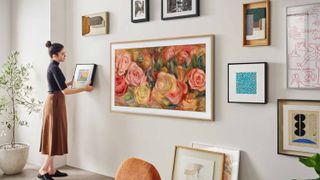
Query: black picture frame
[
  {"x": 197, "y": 4},
  {"x": 147, "y": 13},
  {"x": 93, "y": 72},
  {"x": 280, "y": 149},
  {"x": 265, "y": 101}
]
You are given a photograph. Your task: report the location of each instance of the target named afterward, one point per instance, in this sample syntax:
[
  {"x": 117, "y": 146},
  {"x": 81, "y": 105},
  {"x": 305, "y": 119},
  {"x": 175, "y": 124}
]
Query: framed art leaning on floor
[{"x": 166, "y": 77}]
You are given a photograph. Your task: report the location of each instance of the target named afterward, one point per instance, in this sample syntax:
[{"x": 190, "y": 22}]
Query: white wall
[{"x": 100, "y": 139}]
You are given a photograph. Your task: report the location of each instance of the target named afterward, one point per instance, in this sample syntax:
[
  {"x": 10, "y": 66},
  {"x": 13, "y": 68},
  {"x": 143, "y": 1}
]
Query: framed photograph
[
  {"x": 191, "y": 163},
  {"x": 303, "y": 47},
  {"x": 84, "y": 75},
  {"x": 174, "y": 9},
  {"x": 256, "y": 24},
  {"x": 298, "y": 127},
  {"x": 232, "y": 159},
  {"x": 95, "y": 24},
  {"x": 247, "y": 82},
  {"x": 164, "y": 77},
  {"x": 139, "y": 11}
]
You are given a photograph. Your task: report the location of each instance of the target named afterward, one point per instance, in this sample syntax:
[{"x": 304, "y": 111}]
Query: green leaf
[{"x": 309, "y": 162}]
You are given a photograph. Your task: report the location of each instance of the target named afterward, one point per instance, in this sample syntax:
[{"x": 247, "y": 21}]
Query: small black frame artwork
[
  {"x": 141, "y": 6},
  {"x": 182, "y": 9}
]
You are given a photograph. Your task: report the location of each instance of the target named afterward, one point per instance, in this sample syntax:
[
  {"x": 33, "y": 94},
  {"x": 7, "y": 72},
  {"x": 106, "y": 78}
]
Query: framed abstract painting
[
  {"x": 247, "y": 82},
  {"x": 175, "y": 9},
  {"x": 256, "y": 24},
  {"x": 164, "y": 77},
  {"x": 298, "y": 127},
  {"x": 303, "y": 47},
  {"x": 191, "y": 163},
  {"x": 139, "y": 11},
  {"x": 84, "y": 75},
  {"x": 95, "y": 24}
]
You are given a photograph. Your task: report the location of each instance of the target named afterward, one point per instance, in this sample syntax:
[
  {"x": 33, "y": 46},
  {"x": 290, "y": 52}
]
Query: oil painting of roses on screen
[{"x": 170, "y": 77}]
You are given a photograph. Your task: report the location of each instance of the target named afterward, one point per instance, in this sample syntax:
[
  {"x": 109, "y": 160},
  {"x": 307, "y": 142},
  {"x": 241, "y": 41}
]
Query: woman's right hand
[{"x": 88, "y": 88}]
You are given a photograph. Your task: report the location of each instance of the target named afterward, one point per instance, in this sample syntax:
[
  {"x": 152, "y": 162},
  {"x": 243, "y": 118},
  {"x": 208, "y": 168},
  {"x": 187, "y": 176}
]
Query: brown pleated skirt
[{"x": 54, "y": 135}]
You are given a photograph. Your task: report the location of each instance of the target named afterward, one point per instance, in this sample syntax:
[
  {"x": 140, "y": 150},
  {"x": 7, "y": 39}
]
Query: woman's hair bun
[{"x": 48, "y": 44}]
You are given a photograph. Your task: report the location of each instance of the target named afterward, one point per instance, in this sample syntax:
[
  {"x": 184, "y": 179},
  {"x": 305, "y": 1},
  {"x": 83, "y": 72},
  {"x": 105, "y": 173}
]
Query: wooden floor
[{"x": 30, "y": 173}]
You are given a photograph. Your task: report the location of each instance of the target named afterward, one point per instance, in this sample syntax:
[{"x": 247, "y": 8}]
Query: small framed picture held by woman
[{"x": 54, "y": 126}]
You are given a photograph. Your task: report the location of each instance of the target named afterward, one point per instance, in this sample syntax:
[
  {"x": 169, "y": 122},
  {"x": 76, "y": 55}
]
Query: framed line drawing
[
  {"x": 191, "y": 163},
  {"x": 256, "y": 24},
  {"x": 303, "y": 47},
  {"x": 232, "y": 159},
  {"x": 166, "y": 77},
  {"x": 139, "y": 11},
  {"x": 247, "y": 82},
  {"x": 298, "y": 127},
  {"x": 176, "y": 9},
  {"x": 84, "y": 75}
]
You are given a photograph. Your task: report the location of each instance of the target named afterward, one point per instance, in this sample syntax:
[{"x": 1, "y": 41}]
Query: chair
[{"x": 137, "y": 169}]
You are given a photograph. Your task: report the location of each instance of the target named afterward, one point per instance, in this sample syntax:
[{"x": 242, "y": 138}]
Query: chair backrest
[{"x": 137, "y": 169}]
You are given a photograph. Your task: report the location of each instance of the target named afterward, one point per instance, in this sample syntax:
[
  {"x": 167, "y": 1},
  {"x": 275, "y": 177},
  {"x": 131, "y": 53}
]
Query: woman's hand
[{"x": 88, "y": 88}]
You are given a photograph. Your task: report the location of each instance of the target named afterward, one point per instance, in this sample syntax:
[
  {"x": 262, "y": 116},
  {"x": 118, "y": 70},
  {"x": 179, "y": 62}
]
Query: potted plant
[
  {"x": 312, "y": 162},
  {"x": 15, "y": 95}
]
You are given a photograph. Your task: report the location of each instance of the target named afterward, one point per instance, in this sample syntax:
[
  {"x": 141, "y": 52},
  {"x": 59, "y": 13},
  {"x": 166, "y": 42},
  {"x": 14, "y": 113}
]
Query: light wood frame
[{"x": 259, "y": 42}]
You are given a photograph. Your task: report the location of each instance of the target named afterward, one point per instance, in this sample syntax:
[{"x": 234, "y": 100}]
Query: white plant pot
[{"x": 13, "y": 160}]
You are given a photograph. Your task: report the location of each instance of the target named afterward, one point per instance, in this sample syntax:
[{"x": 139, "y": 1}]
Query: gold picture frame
[
  {"x": 298, "y": 127},
  {"x": 256, "y": 24},
  {"x": 190, "y": 162}
]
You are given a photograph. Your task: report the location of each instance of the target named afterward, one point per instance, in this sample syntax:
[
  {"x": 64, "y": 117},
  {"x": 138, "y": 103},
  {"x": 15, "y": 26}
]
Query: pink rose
[
  {"x": 197, "y": 79},
  {"x": 176, "y": 96},
  {"x": 121, "y": 85},
  {"x": 123, "y": 61},
  {"x": 135, "y": 75}
]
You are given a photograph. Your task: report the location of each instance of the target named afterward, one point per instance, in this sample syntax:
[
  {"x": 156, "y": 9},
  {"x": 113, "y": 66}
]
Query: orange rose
[{"x": 176, "y": 96}]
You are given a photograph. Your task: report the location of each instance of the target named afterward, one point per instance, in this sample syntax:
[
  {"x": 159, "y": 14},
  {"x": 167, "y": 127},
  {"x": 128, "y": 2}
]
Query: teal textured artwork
[{"x": 246, "y": 83}]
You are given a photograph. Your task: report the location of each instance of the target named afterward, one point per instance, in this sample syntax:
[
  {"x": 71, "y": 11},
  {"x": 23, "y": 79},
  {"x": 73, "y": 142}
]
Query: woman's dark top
[{"x": 55, "y": 77}]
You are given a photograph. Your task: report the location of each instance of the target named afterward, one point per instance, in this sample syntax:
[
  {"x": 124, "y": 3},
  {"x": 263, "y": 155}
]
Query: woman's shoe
[
  {"x": 59, "y": 174},
  {"x": 46, "y": 176}
]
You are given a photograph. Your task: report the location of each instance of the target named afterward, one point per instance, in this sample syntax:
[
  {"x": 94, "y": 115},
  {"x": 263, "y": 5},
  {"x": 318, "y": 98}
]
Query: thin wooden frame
[
  {"x": 212, "y": 66},
  {"x": 280, "y": 120},
  {"x": 147, "y": 11},
  {"x": 259, "y": 42},
  {"x": 265, "y": 101},
  {"x": 222, "y": 155},
  {"x": 180, "y": 17}
]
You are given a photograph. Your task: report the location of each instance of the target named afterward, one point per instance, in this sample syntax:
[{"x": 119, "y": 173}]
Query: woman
[{"x": 54, "y": 127}]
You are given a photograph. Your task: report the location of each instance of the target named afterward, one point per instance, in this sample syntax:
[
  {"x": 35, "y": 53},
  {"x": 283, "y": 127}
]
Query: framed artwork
[
  {"x": 139, "y": 10},
  {"x": 256, "y": 24},
  {"x": 247, "y": 82},
  {"x": 232, "y": 159},
  {"x": 95, "y": 24},
  {"x": 165, "y": 77},
  {"x": 298, "y": 127},
  {"x": 84, "y": 75},
  {"x": 174, "y": 9},
  {"x": 191, "y": 163},
  {"x": 303, "y": 47}
]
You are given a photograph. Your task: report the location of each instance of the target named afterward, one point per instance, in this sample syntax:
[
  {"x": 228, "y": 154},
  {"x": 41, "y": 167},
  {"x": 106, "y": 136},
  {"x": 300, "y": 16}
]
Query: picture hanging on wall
[
  {"x": 139, "y": 11},
  {"x": 303, "y": 47},
  {"x": 165, "y": 77},
  {"x": 247, "y": 82},
  {"x": 95, "y": 24},
  {"x": 174, "y": 9},
  {"x": 256, "y": 24},
  {"x": 191, "y": 163},
  {"x": 232, "y": 159},
  {"x": 84, "y": 75},
  {"x": 298, "y": 127}
]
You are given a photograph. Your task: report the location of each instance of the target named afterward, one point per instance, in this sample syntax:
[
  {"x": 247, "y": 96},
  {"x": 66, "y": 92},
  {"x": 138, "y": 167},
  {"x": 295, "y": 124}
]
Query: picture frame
[
  {"x": 303, "y": 64},
  {"x": 248, "y": 82},
  {"x": 84, "y": 74},
  {"x": 298, "y": 127},
  {"x": 140, "y": 11},
  {"x": 95, "y": 24},
  {"x": 232, "y": 159},
  {"x": 191, "y": 162},
  {"x": 177, "y": 9},
  {"x": 165, "y": 86},
  {"x": 256, "y": 24}
]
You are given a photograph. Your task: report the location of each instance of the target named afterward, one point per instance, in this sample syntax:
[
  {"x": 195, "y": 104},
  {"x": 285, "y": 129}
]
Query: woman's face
[{"x": 61, "y": 56}]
